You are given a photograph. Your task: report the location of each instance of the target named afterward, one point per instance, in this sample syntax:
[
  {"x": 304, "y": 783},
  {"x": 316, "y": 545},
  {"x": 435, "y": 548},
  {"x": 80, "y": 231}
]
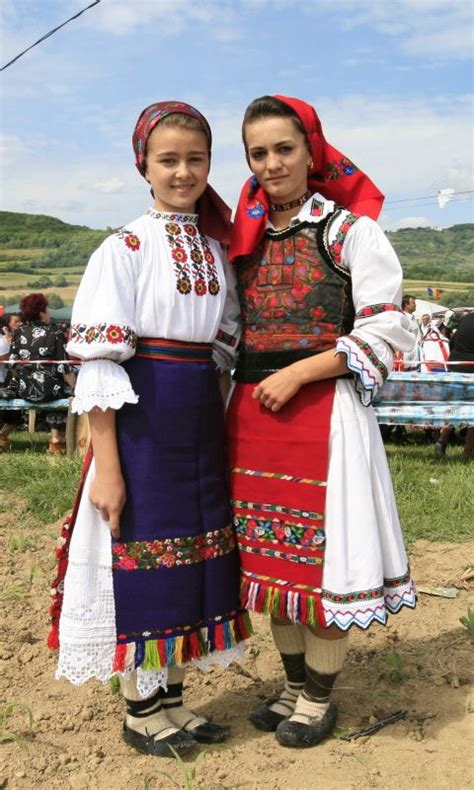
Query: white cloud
[
  {"x": 171, "y": 17},
  {"x": 12, "y": 147},
  {"x": 109, "y": 186},
  {"x": 414, "y": 222}
]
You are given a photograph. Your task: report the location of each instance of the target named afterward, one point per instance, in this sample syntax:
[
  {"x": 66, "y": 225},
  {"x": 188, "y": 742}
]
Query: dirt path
[{"x": 75, "y": 740}]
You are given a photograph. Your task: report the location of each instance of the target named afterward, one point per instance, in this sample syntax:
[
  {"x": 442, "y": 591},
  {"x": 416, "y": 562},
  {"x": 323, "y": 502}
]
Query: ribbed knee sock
[
  {"x": 172, "y": 702},
  {"x": 145, "y": 716},
  {"x": 289, "y": 641},
  {"x": 324, "y": 659}
]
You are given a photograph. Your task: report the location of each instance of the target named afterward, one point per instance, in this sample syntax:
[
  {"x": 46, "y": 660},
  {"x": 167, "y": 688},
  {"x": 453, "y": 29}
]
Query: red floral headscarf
[
  {"x": 332, "y": 174},
  {"x": 214, "y": 214}
]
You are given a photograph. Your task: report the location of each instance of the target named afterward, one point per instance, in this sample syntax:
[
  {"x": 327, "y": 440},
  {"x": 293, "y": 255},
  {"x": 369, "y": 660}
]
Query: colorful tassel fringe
[
  {"x": 176, "y": 650},
  {"x": 298, "y": 607}
]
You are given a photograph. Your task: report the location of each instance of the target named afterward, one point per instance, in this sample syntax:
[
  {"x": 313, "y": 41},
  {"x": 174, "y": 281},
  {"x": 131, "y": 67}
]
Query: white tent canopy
[{"x": 423, "y": 306}]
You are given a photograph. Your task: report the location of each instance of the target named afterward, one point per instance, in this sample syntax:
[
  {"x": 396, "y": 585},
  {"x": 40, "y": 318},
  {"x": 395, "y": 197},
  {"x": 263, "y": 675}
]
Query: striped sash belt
[{"x": 173, "y": 350}]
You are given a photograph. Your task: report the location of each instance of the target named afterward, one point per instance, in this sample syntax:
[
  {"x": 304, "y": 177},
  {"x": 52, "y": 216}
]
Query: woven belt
[
  {"x": 255, "y": 366},
  {"x": 173, "y": 350}
]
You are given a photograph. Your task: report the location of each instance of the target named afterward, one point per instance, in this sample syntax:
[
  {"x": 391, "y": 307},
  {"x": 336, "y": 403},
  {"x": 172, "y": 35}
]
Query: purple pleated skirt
[{"x": 175, "y": 566}]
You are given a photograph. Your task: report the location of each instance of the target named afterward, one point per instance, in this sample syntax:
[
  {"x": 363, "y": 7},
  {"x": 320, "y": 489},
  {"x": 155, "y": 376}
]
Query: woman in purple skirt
[{"x": 149, "y": 580}]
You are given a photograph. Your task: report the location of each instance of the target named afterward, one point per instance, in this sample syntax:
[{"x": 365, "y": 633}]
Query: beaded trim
[{"x": 291, "y": 203}]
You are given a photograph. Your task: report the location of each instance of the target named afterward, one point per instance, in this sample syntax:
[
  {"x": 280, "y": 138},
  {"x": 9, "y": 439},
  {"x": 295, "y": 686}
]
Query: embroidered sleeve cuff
[
  {"x": 110, "y": 341},
  {"x": 370, "y": 371},
  {"x": 224, "y": 352},
  {"x": 102, "y": 383}
]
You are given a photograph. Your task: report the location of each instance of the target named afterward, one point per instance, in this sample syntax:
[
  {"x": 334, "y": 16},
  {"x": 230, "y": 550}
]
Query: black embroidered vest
[{"x": 296, "y": 299}]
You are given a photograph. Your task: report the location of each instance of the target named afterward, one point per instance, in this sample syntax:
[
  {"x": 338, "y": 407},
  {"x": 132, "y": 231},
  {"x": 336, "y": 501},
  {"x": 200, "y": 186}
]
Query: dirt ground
[{"x": 75, "y": 740}]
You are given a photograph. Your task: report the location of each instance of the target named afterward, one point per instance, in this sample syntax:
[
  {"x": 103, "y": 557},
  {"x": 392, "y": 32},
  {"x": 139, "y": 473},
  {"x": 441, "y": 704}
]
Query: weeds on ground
[
  {"x": 468, "y": 623},
  {"x": 6, "y": 712},
  {"x": 398, "y": 671},
  {"x": 187, "y": 772},
  {"x": 14, "y": 593},
  {"x": 20, "y": 543}
]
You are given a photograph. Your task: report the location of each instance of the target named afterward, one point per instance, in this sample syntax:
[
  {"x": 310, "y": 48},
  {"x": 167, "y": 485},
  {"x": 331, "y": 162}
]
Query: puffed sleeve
[
  {"x": 380, "y": 326},
  {"x": 103, "y": 330},
  {"x": 228, "y": 335}
]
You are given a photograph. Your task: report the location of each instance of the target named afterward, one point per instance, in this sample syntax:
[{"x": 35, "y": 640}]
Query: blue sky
[{"x": 391, "y": 80}]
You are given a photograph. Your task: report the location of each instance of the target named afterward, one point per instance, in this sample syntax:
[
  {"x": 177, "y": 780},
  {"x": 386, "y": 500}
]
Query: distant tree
[
  {"x": 60, "y": 282},
  {"x": 55, "y": 301},
  {"x": 41, "y": 282}
]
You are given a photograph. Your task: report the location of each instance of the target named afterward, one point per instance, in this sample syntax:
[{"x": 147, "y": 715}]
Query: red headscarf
[
  {"x": 214, "y": 214},
  {"x": 332, "y": 174}
]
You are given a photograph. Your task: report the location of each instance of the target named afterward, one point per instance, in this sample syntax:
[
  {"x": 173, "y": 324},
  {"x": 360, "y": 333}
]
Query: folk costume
[
  {"x": 155, "y": 318},
  {"x": 317, "y": 526}
]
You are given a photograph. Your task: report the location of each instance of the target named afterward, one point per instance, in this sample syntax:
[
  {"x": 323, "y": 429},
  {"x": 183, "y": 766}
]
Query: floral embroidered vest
[{"x": 295, "y": 297}]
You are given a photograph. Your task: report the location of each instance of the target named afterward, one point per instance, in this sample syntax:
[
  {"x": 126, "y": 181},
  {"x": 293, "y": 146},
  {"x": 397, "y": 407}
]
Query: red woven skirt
[{"x": 279, "y": 464}]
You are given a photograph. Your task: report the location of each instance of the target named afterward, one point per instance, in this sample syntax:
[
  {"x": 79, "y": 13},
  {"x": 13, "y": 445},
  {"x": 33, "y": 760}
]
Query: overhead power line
[
  {"x": 47, "y": 35},
  {"x": 427, "y": 197}
]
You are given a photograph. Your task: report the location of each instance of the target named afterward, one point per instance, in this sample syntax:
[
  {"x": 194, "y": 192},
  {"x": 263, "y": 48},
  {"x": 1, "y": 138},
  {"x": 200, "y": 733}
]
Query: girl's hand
[
  {"x": 108, "y": 495},
  {"x": 274, "y": 391}
]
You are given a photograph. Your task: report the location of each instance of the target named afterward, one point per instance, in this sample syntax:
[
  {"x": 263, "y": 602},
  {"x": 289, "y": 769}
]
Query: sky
[{"x": 392, "y": 82}]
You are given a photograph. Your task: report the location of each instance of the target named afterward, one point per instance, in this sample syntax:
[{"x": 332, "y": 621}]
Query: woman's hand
[
  {"x": 108, "y": 495},
  {"x": 274, "y": 391}
]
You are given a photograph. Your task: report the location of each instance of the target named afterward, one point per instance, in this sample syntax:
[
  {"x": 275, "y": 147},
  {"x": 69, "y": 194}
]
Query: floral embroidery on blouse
[
  {"x": 194, "y": 262},
  {"x": 343, "y": 167},
  {"x": 172, "y": 552},
  {"x": 131, "y": 239},
  {"x": 103, "y": 333},
  {"x": 370, "y": 354},
  {"x": 337, "y": 244},
  {"x": 375, "y": 309}
]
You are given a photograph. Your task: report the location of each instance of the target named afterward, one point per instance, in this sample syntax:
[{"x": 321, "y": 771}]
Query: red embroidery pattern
[
  {"x": 194, "y": 262},
  {"x": 103, "y": 333},
  {"x": 131, "y": 239},
  {"x": 375, "y": 309},
  {"x": 337, "y": 244},
  {"x": 291, "y": 299},
  {"x": 171, "y": 552}
]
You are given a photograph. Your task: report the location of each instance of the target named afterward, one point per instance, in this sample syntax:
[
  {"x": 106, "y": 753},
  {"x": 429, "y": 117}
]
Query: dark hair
[
  {"x": 406, "y": 299},
  {"x": 32, "y": 305},
  {"x": 270, "y": 107}
]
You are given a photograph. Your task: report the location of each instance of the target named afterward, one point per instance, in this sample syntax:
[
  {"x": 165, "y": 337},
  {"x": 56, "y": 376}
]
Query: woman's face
[
  {"x": 279, "y": 157},
  {"x": 177, "y": 167}
]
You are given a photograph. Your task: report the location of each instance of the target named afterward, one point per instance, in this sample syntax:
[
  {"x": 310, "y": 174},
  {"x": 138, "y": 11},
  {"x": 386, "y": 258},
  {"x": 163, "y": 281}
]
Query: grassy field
[{"x": 434, "y": 497}]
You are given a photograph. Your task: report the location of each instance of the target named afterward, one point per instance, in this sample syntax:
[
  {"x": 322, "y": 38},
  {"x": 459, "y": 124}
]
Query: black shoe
[
  {"x": 302, "y": 736},
  {"x": 146, "y": 744},
  {"x": 266, "y": 719},
  {"x": 209, "y": 732}
]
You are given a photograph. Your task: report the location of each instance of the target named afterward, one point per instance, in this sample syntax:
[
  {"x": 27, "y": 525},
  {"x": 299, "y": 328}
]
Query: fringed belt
[
  {"x": 253, "y": 366},
  {"x": 173, "y": 350}
]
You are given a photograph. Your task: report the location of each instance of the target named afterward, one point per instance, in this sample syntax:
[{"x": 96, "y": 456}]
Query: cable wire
[{"x": 47, "y": 35}]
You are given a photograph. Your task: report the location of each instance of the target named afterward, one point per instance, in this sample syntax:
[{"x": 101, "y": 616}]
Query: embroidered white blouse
[
  {"x": 360, "y": 248},
  {"x": 158, "y": 277}
]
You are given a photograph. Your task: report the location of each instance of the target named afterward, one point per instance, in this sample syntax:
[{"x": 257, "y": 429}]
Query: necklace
[{"x": 291, "y": 203}]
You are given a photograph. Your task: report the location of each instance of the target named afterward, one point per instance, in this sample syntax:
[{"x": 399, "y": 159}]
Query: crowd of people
[
  {"x": 35, "y": 348},
  {"x": 188, "y": 517}
]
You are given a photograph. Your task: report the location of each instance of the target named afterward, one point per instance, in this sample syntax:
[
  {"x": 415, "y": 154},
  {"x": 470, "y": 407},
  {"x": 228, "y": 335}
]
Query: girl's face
[
  {"x": 177, "y": 167},
  {"x": 279, "y": 157}
]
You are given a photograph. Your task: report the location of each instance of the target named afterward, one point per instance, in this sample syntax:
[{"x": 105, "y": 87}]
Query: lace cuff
[
  {"x": 102, "y": 383},
  {"x": 371, "y": 371}
]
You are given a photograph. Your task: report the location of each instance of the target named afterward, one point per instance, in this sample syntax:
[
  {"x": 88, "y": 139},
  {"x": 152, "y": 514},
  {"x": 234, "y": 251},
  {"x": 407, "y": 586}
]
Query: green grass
[
  {"x": 46, "y": 484},
  {"x": 440, "y": 510}
]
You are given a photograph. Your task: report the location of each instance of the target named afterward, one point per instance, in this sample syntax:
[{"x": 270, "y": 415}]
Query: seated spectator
[{"x": 38, "y": 340}]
